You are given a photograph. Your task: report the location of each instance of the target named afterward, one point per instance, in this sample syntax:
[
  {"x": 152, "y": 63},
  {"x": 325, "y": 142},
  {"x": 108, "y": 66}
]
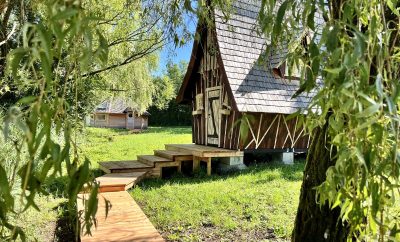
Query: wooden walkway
[{"x": 125, "y": 220}]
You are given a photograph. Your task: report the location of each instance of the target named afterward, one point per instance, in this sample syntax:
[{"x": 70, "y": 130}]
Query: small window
[
  {"x": 101, "y": 117},
  {"x": 130, "y": 115}
]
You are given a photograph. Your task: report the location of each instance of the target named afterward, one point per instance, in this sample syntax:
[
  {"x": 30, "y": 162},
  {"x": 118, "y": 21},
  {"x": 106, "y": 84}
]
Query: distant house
[{"x": 118, "y": 114}]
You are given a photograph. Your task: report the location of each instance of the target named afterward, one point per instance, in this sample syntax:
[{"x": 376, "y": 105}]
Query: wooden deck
[
  {"x": 204, "y": 151},
  {"x": 125, "y": 220}
]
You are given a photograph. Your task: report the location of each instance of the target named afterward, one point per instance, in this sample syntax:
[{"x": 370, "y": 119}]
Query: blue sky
[{"x": 169, "y": 52}]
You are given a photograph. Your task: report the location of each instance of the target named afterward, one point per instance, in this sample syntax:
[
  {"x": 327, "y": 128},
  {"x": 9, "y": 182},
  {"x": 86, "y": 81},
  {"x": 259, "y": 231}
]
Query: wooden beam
[
  {"x": 266, "y": 132},
  {"x": 288, "y": 132},
  {"x": 209, "y": 166},
  {"x": 277, "y": 131}
]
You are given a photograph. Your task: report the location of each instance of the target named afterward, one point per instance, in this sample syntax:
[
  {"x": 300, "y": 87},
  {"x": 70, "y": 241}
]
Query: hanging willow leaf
[
  {"x": 279, "y": 17},
  {"x": 373, "y": 109}
]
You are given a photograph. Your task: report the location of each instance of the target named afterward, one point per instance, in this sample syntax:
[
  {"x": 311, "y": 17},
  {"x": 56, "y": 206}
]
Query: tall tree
[
  {"x": 351, "y": 178},
  {"x": 169, "y": 112}
]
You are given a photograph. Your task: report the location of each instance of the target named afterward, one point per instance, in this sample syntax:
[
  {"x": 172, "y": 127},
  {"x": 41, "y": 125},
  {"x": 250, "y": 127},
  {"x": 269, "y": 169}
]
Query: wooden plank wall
[
  {"x": 209, "y": 76},
  {"x": 117, "y": 121}
]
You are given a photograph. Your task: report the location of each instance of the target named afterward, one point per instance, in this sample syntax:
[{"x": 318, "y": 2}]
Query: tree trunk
[{"x": 313, "y": 221}]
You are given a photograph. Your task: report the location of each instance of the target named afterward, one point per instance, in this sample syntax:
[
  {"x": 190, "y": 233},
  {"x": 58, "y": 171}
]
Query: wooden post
[
  {"x": 196, "y": 163},
  {"x": 209, "y": 166},
  {"x": 180, "y": 166}
]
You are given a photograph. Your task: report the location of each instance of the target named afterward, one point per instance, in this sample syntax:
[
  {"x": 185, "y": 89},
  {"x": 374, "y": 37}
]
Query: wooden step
[
  {"x": 124, "y": 166},
  {"x": 204, "y": 151},
  {"x": 151, "y": 160},
  {"x": 115, "y": 182},
  {"x": 174, "y": 155}
]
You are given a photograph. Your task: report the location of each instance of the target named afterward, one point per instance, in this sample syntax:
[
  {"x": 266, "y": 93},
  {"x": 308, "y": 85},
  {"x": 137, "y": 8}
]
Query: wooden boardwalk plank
[
  {"x": 119, "y": 181},
  {"x": 125, "y": 220}
]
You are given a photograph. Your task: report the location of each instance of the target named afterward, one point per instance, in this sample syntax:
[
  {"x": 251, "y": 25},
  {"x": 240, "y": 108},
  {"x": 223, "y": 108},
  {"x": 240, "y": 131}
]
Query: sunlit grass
[
  {"x": 228, "y": 207},
  {"x": 119, "y": 144},
  {"x": 263, "y": 197}
]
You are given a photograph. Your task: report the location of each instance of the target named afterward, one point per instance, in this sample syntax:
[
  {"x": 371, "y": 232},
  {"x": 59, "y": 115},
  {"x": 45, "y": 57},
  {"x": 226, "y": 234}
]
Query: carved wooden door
[{"x": 213, "y": 117}]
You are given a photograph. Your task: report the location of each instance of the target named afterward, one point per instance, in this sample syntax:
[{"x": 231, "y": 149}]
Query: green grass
[
  {"x": 118, "y": 144},
  {"x": 239, "y": 206},
  {"x": 245, "y": 206},
  {"x": 41, "y": 225}
]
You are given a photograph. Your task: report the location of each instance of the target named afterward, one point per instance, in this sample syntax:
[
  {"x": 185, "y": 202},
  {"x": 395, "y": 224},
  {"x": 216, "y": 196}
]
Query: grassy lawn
[
  {"x": 118, "y": 144},
  {"x": 259, "y": 203},
  {"x": 256, "y": 204}
]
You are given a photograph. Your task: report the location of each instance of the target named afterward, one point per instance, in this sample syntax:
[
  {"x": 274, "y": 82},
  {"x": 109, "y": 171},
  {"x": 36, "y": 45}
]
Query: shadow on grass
[
  {"x": 288, "y": 172},
  {"x": 65, "y": 226}
]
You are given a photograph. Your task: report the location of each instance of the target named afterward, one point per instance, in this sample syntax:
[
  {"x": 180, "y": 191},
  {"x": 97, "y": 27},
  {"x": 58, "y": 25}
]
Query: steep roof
[
  {"x": 117, "y": 105},
  {"x": 254, "y": 87}
]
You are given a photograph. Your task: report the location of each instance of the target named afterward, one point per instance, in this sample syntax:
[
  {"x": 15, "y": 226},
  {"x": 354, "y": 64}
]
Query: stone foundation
[
  {"x": 285, "y": 157},
  {"x": 226, "y": 164}
]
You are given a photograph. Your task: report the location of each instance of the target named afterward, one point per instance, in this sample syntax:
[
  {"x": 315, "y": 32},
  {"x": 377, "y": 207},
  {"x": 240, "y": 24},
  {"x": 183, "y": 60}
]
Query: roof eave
[{"x": 180, "y": 98}]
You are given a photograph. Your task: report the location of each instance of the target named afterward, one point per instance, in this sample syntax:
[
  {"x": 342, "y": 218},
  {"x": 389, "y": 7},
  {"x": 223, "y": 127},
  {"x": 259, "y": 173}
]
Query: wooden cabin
[
  {"x": 225, "y": 81},
  {"x": 118, "y": 114}
]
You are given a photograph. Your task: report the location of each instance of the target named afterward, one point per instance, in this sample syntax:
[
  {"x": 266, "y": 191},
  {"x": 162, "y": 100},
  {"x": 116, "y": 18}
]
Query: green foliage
[
  {"x": 167, "y": 85},
  {"x": 174, "y": 115},
  {"x": 231, "y": 207},
  {"x": 167, "y": 112},
  {"x": 356, "y": 56},
  {"x": 133, "y": 43},
  {"x": 164, "y": 92},
  {"x": 50, "y": 60}
]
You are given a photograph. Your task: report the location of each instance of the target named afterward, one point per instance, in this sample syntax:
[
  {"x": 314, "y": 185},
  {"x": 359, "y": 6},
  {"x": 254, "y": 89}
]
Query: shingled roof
[
  {"x": 117, "y": 105},
  {"x": 254, "y": 87}
]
